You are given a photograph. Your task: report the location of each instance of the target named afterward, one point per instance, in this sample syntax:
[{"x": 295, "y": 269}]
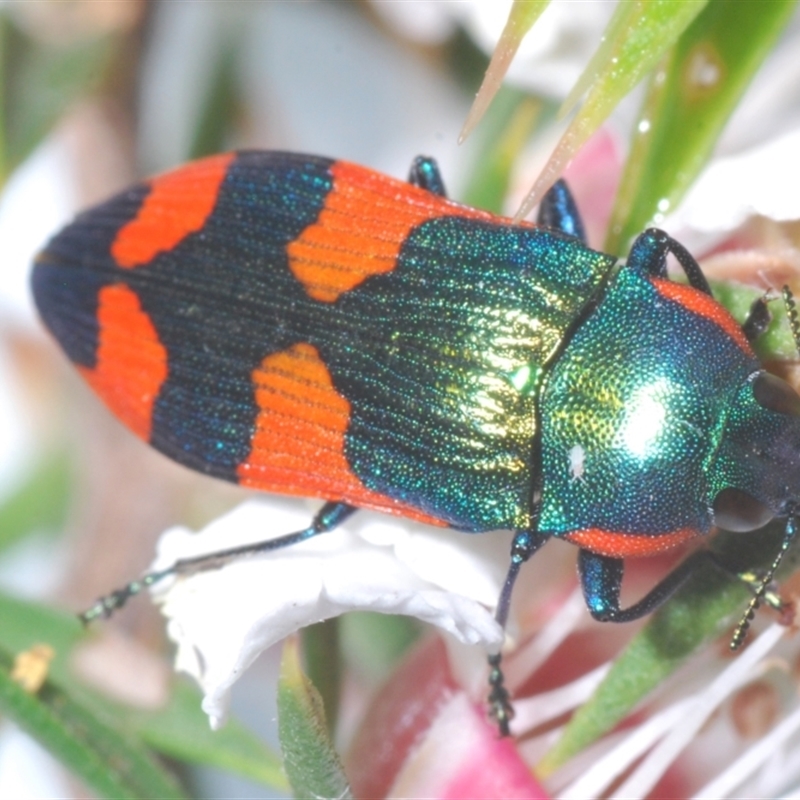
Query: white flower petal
[
  {"x": 762, "y": 180},
  {"x": 550, "y": 58},
  {"x": 37, "y": 200},
  {"x": 222, "y": 619},
  {"x": 427, "y": 21}
]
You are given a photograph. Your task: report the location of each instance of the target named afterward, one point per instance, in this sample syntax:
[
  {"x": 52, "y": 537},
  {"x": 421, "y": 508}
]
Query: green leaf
[
  {"x": 221, "y": 104},
  {"x": 709, "y": 602},
  {"x": 521, "y": 18},
  {"x": 310, "y": 760},
  {"x": 323, "y": 665},
  {"x": 776, "y": 343},
  {"x": 38, "y": 82},
  {"x": 636, "y": 38},
  {"x": 41, "y": 502},
  {"x": 180, "y": 730},
  {"x": 111, "y": 764},
  {"x": 515, "y": 117},
  {"x": 373, "y": 643},
  {"x": 24, "y": 624},
  {"x": 689, "y": 101}
]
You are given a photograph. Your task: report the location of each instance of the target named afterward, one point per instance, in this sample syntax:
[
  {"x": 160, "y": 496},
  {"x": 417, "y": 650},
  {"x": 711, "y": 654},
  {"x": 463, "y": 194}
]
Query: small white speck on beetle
[{"x": 577, "y": 462}]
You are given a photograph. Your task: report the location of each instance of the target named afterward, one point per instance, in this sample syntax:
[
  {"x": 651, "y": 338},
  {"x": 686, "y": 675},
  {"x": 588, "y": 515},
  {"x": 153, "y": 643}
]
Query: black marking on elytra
[
  {"x": 73, "y": 268},
  {"x": 221, "y": 300},
  {"x": 224, "y": 299}
]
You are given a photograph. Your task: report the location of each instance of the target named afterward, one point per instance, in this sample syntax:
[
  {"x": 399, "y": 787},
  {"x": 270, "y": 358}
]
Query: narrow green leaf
[
  {"x": 24, "y": 623},
  {"x": 41, "y": 502},
  {"x": 636, "y": 38},
  {"x": 518, "y": 115},
  {"x": 40, "y": 81},
  {"x": 624, "y": 17},
  {"x": 373, "y": 643},
  {"x": 5, "y": 33},
  {"x": 311, "y": 762},
  {"x": 323, "y": 665},
  {"x": 220, "y": 104},
  {"x": 521, "y": 18},
  {"x": 181, "y": 731},
  {"x": 709, "y": 603},
  {"x": 688, "y": 103},
  {"x": 111, "y": 764}
]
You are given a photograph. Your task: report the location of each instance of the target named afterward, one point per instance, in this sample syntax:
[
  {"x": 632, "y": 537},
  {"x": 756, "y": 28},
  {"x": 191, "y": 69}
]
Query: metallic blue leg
[
  {"x": 559, "y": 212},
  {"x": 327, "y": 518},
  {"x": 525, "y": 544},
  {"x": 601, "y": 581},
  {"x": 425, "y": 174},
  {"x": 649, "y": 254}
]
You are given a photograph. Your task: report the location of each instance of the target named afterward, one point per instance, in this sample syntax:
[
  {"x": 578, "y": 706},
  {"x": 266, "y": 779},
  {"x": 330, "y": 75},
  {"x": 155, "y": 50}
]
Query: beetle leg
[
  {"x": 525, "y": 544},
  {"x": 649, "y": 253},
  {"x": 326, "y": 519},
  {"x": 559, "y": 212},
  {"x": 601, "y": 581},
  {"x": 425, "y": 173},
  {"x": 758, "y": 319}
]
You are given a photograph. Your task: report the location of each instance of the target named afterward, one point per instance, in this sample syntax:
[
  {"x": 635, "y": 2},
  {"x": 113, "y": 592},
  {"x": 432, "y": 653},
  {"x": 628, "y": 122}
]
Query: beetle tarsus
[
  {"x": 525, "y": 544},
  {"x": 327, "y": 518},
  {"x": 500, "y": 708}
]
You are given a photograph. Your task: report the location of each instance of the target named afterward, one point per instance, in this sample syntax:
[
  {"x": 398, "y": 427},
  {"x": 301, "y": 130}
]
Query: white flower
[
  {"x": 548, "y": 61},
  {"x": 759, "y": 181},
  {"x": 221, "y": 619}
]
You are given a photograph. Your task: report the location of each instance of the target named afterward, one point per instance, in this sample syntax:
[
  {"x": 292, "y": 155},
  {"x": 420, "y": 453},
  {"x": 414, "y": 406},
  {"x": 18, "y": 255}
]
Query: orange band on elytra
[
  {"x": 359, "y": 232},
  {"x": 298, "y": 446},
  {"x": 131, "y": 360},
  {"x": 179, "y": 203}
]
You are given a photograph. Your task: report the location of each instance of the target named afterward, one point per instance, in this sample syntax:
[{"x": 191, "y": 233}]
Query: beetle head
[{"x": 758, "y": 461}]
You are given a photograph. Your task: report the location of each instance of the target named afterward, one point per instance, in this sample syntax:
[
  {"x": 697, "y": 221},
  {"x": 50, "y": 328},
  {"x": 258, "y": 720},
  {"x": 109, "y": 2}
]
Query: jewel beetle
[{"x": 306, "y": 326}]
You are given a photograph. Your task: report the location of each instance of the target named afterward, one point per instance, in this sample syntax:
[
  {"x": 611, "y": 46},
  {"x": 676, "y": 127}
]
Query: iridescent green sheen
[
  {"x": 444, "y": 387},
  {"x": 639, "y": 399}
]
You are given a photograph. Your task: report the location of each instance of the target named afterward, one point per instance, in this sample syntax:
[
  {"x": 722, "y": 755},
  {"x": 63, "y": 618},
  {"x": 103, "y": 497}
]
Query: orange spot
[
  {"x": 624, "y": 545},
  {"x": 700, "y": 303},
  {"x": 298, "y": 444},
  {"x": 179, "y": 203},
  {"x": 131, "y": 361},
  {"x": 366, "y": 218}
]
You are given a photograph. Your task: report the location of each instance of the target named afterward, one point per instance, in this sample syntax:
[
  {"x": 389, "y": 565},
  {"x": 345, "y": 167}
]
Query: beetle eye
[
  {"x": 776, "y": 395},
  {"x": 738, "y": 511}
]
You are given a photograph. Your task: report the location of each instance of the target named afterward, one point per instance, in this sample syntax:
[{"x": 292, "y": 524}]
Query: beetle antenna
[
  {"x": 791, "y": 523},
  {"x": 791, "y": 313},
  {"x": 763, "y": 585}
]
